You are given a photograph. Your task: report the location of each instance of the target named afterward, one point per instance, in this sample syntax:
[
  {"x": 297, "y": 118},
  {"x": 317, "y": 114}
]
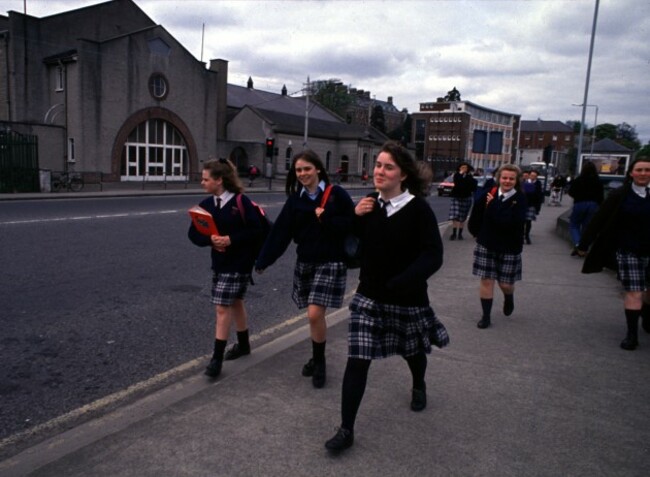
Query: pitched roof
[
  {"x": 544, "y": 126},
  {"x": 608, "y": 145},
  {"x": 239, "y": 96}
]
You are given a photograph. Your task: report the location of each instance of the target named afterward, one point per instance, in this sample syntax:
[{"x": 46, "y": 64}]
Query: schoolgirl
[
  {"x": 318, "y": 231},
  {"x": 461, "y": 199},
  {"x": 497, "y": 222},
  {"x": 232, "y": 254},
  {"x": 390, "y": 312}
]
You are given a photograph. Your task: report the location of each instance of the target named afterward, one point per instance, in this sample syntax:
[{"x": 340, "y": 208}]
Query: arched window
[{"x": 156, "y": 150}]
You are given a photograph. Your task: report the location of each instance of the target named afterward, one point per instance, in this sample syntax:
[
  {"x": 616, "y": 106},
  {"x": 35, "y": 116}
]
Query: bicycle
[{"x": 68, "y": 181}]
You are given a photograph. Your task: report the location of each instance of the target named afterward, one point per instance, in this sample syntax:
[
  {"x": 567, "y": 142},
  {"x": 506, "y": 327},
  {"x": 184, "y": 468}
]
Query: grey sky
[{"x": 523, "y": 57}]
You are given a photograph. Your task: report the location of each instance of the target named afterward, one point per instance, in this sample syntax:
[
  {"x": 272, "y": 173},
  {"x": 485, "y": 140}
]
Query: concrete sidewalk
[{"x": 544, "y": 392}]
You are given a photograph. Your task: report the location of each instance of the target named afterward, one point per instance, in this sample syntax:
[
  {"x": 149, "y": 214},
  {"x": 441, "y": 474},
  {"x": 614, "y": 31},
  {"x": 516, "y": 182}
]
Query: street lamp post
[{"x": 593, "y": 135}]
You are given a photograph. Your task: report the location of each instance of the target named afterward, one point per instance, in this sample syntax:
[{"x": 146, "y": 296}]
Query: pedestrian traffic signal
[{"x": 270, "y": 145}]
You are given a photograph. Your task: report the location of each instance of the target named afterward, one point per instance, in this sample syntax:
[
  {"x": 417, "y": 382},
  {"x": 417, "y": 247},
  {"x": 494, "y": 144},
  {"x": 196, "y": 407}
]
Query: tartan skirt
[
  {"x": 320, "y": 284},
  {"x": 633, "y": 271},
  {"x": 228, "y": 287},
  {"x": 459, "y": 208},
  {"x": 502, "y": 267},
  {"x": 379, "y": 330},
  {"x": 531, "y": 213}
]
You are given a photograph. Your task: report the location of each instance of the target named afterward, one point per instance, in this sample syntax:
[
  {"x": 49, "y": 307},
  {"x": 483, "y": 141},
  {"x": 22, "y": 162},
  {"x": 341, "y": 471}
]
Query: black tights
[{"x": 354, "y": 384}]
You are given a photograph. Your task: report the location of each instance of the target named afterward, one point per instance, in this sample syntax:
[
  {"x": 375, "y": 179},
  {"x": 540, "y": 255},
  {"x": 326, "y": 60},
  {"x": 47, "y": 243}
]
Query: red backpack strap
[
  {"x": 240, "y": 206},
  {"x": 326, "y": 195}
]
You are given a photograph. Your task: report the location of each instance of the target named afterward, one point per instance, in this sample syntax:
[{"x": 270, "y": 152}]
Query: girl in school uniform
[
  {"x": 318, "y": 230},
  {"x": 232, "y": 255}
]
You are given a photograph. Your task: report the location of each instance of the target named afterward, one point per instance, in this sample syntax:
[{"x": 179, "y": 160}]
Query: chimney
[
  {"x": 284, "y": 90},
  {"x": 250, "y": 83},
  {"x": 390, "y": 100}
]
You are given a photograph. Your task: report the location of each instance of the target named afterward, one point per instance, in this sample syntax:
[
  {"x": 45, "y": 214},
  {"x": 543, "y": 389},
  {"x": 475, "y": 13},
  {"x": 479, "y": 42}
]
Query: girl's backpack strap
[{"x": 326, "y": 195}]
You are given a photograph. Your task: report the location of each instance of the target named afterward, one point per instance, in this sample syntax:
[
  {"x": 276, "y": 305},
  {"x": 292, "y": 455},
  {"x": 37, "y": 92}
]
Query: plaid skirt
[
  {"x": 379, "y": 330},
  {"x": 633, "y": 271},
  {"x": 319, "y": 284},
  {"x": 531, "y": 213},
  {"x": 504, "y": 267},
  {"x": 459, "y": 208},
  {"x": 228, "y": 287}
]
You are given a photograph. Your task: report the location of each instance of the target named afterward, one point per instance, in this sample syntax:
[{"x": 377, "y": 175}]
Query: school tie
[
  {"x": 218, "y": 203},
  {"x": 501, "y": 197},
  {"x": 647, "y": 192},
  {"x": 384, "y": 207}
]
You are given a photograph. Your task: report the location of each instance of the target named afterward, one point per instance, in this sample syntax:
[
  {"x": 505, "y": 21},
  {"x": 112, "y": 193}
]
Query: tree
[
  {"x": 628, "y": 137},
  {"x": 644, "y": 151},
  {"x": 453, "y": 95},
  {"x": 333, "y": 95},
  {"x": 403, "y": 132},
  {"x": 377, "y": 119}
]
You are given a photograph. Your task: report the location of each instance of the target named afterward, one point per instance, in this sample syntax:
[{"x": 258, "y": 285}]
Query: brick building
[
  {"x": 446, "y": 133},
  {"x": 537, "y": 135}
]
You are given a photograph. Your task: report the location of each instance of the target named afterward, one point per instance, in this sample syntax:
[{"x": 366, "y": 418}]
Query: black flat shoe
[
  {"x": 418, "y": 399},
  {"x": 341, "y": 441},
  {"x": 214, "y": 368},
  {"x": 236, "y": 351},
  {"x": 483, "y": 323},
  {"x": 318, "y": 378},
  {"x": 308, "y": 369},
  {"x": 629, "y": 344},
  {"x": 508, "y": 308}
]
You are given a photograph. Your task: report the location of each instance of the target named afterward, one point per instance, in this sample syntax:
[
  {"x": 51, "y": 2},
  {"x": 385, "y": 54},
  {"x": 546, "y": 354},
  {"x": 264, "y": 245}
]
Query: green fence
[{"x": 18, "y": 162}]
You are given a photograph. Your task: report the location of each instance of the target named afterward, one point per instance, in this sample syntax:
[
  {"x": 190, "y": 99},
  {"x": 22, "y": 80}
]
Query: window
[
  {"x": 71, "y": 156},
  {"x": 154, "y": 149},
  {"x": 158, "y": 86},
  {"x": 59, "y": 79},
  {"x": 554, "y": 137}
]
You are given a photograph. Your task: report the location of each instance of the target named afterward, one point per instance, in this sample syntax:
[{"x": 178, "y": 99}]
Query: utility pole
[
  {"x": 307, "y": 92},
  {"x": 584, "y": 101}
]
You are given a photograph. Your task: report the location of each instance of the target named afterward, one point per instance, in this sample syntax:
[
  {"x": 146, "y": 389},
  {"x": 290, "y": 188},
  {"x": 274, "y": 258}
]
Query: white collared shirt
[
  {"x": 639, "y": 190},
  {"x": 506, "y": 195},
  {"x": 225, "y": 197},
  {"x": 321, "y": 187},
  {"x": 396, "y": 203}
]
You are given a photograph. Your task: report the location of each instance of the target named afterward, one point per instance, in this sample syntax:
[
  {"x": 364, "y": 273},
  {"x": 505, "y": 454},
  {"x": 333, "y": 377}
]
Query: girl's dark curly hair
[
  {"x": 418, "y": 174},
  {"x": 293, "y": 185}
]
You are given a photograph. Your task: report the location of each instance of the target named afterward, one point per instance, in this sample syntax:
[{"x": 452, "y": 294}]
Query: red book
[{"x": 203, "y": 221}]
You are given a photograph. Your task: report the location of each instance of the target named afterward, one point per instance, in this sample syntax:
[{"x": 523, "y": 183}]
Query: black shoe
[
  {"x": 453, "y": 237},
  {"x": 508, "y": 308},
  {"x": 318, "y": 378},
  {"x": 629, "y": 343},
  {"x": 214, "y": 368},
  {"x": 418, "y": 399},
  {"x": 460, "y": 237},
  {"x": 308, "y": 369},
  {"x": 483, "y": 323},
  {"x": 236, "y": 351},
  {"x": 528, "y": 240},
  {"x": 574, "y": 252},
  {"x": 341, "y": 441}
]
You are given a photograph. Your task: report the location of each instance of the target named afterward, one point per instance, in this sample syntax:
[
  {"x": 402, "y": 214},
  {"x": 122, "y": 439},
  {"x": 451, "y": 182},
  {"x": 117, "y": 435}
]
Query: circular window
[{"x": 158, "y": 86}]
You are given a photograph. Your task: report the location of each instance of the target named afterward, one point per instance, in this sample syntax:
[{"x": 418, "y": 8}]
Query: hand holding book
[{"x": 204, "y": 223}]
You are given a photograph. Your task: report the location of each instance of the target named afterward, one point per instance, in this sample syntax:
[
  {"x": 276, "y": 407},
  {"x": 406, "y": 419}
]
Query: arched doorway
[{"x": 154, "y": 149}]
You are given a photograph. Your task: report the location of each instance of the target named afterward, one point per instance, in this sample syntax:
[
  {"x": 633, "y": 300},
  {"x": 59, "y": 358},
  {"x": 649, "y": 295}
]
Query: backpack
[
  {"x": 264, "y": 220},
  {"x": 351, "y": 243}
]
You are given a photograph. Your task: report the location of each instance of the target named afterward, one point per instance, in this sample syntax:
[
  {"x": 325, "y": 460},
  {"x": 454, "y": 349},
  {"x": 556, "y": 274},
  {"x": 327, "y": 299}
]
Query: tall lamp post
[{"x": 593, "y": 135}]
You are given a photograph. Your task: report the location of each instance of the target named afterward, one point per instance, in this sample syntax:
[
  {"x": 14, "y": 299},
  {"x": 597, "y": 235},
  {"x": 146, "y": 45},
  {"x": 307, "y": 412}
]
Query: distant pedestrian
[
  {"x": 318, "y": 230},
  {"x": 253, "y": 172},
  {"x": 620, "y": 234},
  {"x": 461, "y": 199},
  {"x": 390, "y": 312},
  {"x": 532, "y": 188},
  {"x": 232, "y": 256},
  {"x": 497, "y": 222},
  {"x": 588, "y": 193}
]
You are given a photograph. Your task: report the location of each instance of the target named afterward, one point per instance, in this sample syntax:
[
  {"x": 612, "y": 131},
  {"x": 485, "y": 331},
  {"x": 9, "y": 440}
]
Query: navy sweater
[
  {"x": 399, "y": 253},
  {"x": 239, "y": 257},
  {"x": 502, "y": 225},
  {"x": 318, "y": 241}
]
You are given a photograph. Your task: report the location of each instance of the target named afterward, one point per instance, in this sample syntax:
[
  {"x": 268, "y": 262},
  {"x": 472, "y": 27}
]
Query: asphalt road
[{"x": 101, "y": 295}]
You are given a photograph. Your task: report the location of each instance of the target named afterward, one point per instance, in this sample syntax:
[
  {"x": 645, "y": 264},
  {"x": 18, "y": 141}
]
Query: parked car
[{"x": 444, "y": 188}]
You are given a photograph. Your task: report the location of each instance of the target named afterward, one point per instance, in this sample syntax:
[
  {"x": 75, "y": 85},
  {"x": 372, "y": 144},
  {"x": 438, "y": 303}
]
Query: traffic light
[{"x": 270, "y": 146}]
